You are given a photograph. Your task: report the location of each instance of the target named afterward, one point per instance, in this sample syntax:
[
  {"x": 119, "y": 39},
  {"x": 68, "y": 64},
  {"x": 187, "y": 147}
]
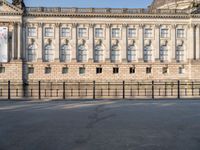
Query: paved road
[{"x": 100, "y": 125}]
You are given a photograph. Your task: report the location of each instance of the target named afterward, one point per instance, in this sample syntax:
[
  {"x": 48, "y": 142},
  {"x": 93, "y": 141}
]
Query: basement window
[{"x": 2, "y": 69}]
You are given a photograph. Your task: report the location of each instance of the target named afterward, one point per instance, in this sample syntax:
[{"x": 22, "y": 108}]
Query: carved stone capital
[
  {"x": 124, "y": 25},
  {"x": 157, "y": 26},
  {"x": 173, "y": 26},
  {"x": 91, "y": 25},
  {"x": 74, "y": 25},
  {"x": 141, "y": 26},
  {"x": 57, "y": 25},
  {"x": 108, "y": 25},
  {"x": 40, "y": 24}
]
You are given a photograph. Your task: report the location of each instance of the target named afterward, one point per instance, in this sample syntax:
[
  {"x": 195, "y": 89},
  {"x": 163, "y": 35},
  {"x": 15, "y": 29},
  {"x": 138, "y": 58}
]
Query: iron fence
[{"x": 100, "y": 90}]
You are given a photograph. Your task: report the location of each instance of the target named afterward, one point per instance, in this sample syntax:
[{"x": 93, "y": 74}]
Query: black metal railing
[{"x": 100, "y": 90}]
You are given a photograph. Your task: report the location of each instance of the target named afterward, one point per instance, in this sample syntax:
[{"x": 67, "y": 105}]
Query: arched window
[
  {"x": 32, "y": 52},
  {"x": 115, "y": 53},
  {"x": 147, "y": 53},
  {"x": 164, "y": 53},
  {"x": 48, "y": 53},
  {"x": 65, "y": 53},
  {"x": 180, "y": 53},
  {"x": 98, "y": 54},
  {"x": 131, "y": 53},
  {"x": 82, "y": 53}
]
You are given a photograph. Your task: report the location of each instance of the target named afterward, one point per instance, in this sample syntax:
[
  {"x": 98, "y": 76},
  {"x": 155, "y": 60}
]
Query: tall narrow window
[
  {"x": 148, "y": 33},
  {"x": 82, "y": 53},
  {"x": 65, "y": 53},
  {"x": 164, "y": 33},
  {"x": 98, "y": 32},
  {"x": 180, "y": 33},
  {"x": 131, "y": 53},
  {"x": 48, "y": 53},
  {"x": 115, "y": 53},
  {"x": 147, "y": 53},
  {"x": 49, "y": 32},
  {"x": 98, "y": 56},
  {"x": 163, "y": 53},
  {"x": 82, "y": 32},
  {"x": 180, "y": 53},
  {"x": 115, "y": 33},
  {"x": 31, "y": 53},
  {"x": 131, "y": 33},
  {"x": 32, "y": 32},
  {"x": 65, "y": 32}
]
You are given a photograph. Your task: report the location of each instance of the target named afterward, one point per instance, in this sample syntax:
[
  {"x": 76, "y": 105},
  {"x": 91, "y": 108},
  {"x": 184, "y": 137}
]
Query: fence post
[
  {"x": 94, "y": 90},
  {"x": 123, "y": 89},
  {"x": 63, "y": 90},
  {"x": 152, "y": 89},
  {"x": 9, "y": 90},
  {"x": 178, "y": 89},
  {"x": 39, "y": 90},
  {"x": 192, "y": 88}
]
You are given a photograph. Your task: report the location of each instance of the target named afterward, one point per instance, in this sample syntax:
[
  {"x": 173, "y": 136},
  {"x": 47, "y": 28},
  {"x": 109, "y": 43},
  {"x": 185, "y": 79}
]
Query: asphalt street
[{"x": 100, "y": 125}]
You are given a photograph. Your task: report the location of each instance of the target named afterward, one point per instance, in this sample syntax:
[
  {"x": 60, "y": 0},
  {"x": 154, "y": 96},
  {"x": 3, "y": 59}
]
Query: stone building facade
[{"x": 161, "y": 42}]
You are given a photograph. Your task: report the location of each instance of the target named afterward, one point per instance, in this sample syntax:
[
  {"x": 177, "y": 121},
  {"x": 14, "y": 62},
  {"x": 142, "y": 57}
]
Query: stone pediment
[{"x": 7, "y": 8}]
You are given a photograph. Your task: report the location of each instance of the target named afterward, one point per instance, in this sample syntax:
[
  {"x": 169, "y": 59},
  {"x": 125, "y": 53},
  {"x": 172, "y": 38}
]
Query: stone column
[
  {"x": 14, "y": 41},
  {"x": 19, "y": 40},
  {"x": 107, "y": 43},
  {"x": 24, "y": 41},
  {"x": 74, "y": 42},
  {"x": 57, "y": 41},
  {"x": 157, "y": 43},
  {"x": 124, "y": 43},
  {"x": 91, "y": 43},
  {"x": 197, "y": 42},
  {"x": 40, "y": 42},
  {"x": 172, "y": 57},
  {"x": 190, "y": 40},
  {"x": 141, "y": 43}
]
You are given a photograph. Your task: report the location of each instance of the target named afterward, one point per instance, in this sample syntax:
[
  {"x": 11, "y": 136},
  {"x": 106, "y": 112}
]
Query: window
[
  {"x": 131, "y": 53},
  {"x": 65, "y": 53},
  {"x": 99, "y": 70},
  {"x": 115, "y": 70},
  {"x": 65, "y": 32},
  {"x": 148, "y": 33},
  {"x": 115, "y": 33},
  {"x": 180, "y": 53},
  {"x": 131, "y": 33},
  {"x": 98, "y": 56},
  {"x": 64, "y": 70},
  {"x": 98, "y": 32},
  {"x": 82, "y": 32},
  {"x": 49, "y": 32},
  {"x": 147, "y": 53},
  {"x": 47, "y": 70},
  {"x": 31, "y": 53},
  {"x": 81, "y": 70},
  {"x": 30, "y": 70},
  {"x": 48, "y": 53},
  {"x": 2, "y": 69},
  {"x": 132, "y": 70},
  {"x": 180, "y": 33},
  {"x": 165, "y": 70},
  {"x": 115, "y": 53},
  {"x": 181, "y": 70},
  {"x": 164, "y": 33},
  {"x": 148, "y": 70},
  {"x": 163, "y": 53},
  {"x": 82, "y": 53},
  {"x": 32, "y": 32}
]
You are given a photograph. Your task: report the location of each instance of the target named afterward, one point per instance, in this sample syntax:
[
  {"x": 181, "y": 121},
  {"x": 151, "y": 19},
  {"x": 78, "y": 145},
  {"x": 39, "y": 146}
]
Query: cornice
[{"x": 93, "y": 15}]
